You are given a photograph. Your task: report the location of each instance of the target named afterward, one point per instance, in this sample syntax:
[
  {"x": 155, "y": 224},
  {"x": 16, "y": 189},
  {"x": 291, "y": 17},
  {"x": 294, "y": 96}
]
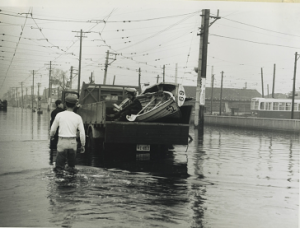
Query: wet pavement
[{"x": 236, "y": 178}]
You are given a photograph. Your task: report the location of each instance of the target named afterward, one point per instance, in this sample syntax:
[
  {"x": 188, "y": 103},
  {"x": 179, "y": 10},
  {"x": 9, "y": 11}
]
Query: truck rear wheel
[{"x": 90, "y": 147}]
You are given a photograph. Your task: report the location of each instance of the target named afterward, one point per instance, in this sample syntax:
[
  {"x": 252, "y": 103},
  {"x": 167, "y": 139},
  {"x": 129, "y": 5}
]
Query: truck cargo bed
[{"x": 146, "y": 133}]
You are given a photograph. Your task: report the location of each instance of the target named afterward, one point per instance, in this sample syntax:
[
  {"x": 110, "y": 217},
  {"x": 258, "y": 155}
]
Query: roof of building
[{"x": 227, "y": 93}]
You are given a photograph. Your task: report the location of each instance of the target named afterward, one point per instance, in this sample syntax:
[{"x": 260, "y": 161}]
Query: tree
[{"x": 59, "y": 78}]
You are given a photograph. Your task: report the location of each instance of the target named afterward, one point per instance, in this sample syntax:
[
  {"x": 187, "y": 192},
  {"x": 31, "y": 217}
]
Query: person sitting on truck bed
[
  {"x": 131, "y": 107},
  {"x": 131, "y": 95},
  {"x": 68, "y": 123}
]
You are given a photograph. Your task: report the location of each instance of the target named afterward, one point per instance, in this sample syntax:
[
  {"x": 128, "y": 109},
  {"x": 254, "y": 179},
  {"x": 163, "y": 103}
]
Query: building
[{"x": 234, "y": 101}]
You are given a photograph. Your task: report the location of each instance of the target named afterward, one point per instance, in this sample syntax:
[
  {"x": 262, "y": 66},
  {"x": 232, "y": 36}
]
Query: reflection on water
[{"x": 230, "y": 178}]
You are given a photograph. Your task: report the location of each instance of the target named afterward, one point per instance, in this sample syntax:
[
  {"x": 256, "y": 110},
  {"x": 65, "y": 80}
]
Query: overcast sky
[{"x": 248, "y": 37}]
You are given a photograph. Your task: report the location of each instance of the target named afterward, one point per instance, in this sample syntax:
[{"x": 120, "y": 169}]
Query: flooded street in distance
[{"x": 236, "y": 179}]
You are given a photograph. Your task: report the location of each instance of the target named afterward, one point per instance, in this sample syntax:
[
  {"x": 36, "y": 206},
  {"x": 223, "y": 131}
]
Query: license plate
[
  {"x": 143, "y": 147},
  {"x": 143, "y": 156}
]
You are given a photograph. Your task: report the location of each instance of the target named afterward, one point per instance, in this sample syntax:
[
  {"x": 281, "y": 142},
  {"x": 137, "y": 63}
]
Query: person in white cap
[
  {"x": 133, "y": 107},
  {"x": 68, "y": 123}
]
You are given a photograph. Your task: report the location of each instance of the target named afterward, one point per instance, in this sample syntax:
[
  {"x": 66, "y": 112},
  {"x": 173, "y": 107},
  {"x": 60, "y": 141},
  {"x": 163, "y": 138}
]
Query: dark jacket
[
  {"x": 53, "y": 143},
  {"x": 132, "y": 108}
]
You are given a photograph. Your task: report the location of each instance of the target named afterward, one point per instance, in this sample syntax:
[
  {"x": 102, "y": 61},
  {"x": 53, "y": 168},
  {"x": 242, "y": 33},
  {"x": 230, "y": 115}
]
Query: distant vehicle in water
[
  {"x": 3, "y": 105},
  {"x": 274, "y": 108}
]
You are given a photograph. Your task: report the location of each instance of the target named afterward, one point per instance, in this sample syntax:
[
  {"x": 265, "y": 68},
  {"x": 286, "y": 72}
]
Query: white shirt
[{"x": 68, "y": 123}]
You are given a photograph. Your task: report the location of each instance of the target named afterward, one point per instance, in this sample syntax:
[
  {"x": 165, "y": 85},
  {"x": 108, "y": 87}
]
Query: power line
[
  {"x": 250, "y": 41},
  {"x": 14, "y": 52},
  {"x": 157, "y": 33},
  {"x": 254, "y": 26}
]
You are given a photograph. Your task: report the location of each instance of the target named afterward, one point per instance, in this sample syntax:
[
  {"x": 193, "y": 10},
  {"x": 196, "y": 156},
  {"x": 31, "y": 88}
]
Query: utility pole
[
  {"x": 212, "y": 90},
  {"x": 63, "y": 87},
  {"x": 49, "y": 90},
  {"x": 17, "y": 96},
  {"x": 80, "y": 50},
  {"x": 91, "y": 78},
  {"x": 39, "y": 111},
  {"x": 105, "y": 69},
  {"x": 164, "y": 73},
  {"x": 273, "y": 88},
  {"x": 26, "y": 95},
  {"x": 71, "y": 76},
  {"x": 32, "y": 88},
  {"x": 262, "y": 83},
  {"x": 176, "y": 68},
  {"x": 106, "y": 65},
  {"x": 114, "y": 79},
  {"x": 294, "y": 83},
  {"x": 157, "y": 78},
  {"x": 201, "y": 79},
  {"x": 22, "y": 95},
  {"x": 221, "y": 94}
]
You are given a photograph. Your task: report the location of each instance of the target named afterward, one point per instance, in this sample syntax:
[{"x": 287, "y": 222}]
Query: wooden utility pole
[
  {"x": 32, "y": 88},
  {"x": 220, "y": 113},
  {"x": 79, "y": 68},
  {"x": 105, "y": 68},
  {"x": 294, "y": 83},
  {"x": 63, "y": 85},
  {"x": 17, "y": 97},
  {"x": 26, "y": 95},
  {"x": 212, "y": 90},
  {"x": 39, "y": 101},
  {"x": 262, "y": 83},
  {"x": 106, "y": 65},
  {"x": 273, "y": 87},
  {"x": 50, "y": 89},
  {"x": 22, "y": 94},
  {"x": 202, "y": 65},
  {"x": 114, "y": 79},
  {"x": 164, "y": 73},
  {"x": 157, "y": 78},
  {"x": 80, "y": 53},
  {"x": 71, "y": 77}
]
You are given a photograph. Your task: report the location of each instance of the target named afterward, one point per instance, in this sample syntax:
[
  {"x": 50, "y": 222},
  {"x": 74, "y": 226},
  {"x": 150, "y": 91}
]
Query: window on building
[
  {"x": 262, "y": 106},
  {"x": 281, "y": 106},
  {"x": 254, "y": 105},
  {"x": 269, "y": 106}
]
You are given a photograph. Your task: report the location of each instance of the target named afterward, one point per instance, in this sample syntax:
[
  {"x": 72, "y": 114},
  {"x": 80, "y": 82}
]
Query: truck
[{"x": 119, "y": 140}]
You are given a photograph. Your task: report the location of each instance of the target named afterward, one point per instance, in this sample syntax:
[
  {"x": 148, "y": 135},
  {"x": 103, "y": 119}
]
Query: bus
[{"x": 275, "y": 108}]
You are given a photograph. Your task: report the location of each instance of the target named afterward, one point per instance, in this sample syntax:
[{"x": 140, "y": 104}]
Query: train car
[{"x": 275, "y": 108}]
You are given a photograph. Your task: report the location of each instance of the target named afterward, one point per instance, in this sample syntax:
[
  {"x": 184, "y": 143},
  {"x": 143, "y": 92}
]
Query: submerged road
[{"x": 236, "y": 178}]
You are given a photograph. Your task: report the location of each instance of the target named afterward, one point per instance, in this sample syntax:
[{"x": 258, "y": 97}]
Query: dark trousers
[{"x": 66, "y": 152}]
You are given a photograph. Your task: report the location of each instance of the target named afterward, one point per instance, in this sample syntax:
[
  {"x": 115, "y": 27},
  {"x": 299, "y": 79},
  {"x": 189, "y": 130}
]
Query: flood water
[{"x": 236, "y": 178}]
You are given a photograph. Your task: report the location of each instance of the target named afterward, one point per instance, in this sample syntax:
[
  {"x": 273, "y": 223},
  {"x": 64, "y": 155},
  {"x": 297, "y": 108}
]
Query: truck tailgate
[{"x": 146, "y": 133}]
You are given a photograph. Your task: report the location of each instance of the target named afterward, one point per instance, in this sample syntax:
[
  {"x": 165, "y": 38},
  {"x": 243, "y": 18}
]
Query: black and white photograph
[{"x": 169, "y": 114}]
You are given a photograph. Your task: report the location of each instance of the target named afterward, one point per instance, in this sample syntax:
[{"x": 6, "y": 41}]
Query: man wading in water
[
  {"x": 59, "y": 108},
  {"x": 68, "y": 123}
]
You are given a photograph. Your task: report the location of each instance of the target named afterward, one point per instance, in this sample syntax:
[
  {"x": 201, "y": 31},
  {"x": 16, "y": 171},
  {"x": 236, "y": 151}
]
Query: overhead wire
[
  {"x": 15, "y": 51},
  {"x": 250, "y": 41},
  {"x": 254, "y": 26}
]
